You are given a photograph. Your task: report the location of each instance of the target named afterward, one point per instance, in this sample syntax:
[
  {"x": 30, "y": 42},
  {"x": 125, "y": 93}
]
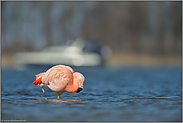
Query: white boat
[{"x": 72, "y": 55}]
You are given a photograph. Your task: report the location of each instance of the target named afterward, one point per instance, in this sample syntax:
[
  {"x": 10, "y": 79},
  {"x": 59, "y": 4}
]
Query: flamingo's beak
[{"x": 80, "y": 89}]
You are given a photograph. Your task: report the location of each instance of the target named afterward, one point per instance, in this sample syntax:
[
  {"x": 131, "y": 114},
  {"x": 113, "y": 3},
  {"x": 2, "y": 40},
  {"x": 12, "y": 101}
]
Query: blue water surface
[{"x": 110, "y": 94}]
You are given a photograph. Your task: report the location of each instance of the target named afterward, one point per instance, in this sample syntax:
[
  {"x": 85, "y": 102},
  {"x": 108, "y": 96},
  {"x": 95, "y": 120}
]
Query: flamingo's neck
[{"x": 73, "y": 87}]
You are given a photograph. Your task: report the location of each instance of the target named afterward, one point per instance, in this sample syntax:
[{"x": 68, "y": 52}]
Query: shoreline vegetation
[
  {"x": 120, "y": 59},
  {"x": 144, "y": 60}
]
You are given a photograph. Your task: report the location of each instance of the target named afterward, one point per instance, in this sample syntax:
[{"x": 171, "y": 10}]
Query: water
[{"x": 110, "y": 94}]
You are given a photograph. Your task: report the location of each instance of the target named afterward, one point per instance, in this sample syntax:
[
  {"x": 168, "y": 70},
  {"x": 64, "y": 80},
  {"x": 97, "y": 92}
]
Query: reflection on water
[
  {"x": 118, "y": 94},
  {"x": 56, "y": 100}
]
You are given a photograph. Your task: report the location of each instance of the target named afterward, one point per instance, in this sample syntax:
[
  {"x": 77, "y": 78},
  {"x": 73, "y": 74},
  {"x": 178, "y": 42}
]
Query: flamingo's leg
[
  {"x": 58, "y": 96},
  {"x": 44, "y": 93}
]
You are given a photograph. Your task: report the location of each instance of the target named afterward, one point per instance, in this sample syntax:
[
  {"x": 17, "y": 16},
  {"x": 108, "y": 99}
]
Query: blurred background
[{"x": 112, "y": 33}]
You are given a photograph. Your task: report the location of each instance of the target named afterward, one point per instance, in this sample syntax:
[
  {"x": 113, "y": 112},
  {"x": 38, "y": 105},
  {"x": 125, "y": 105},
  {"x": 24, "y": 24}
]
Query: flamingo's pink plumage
[{"x": 60, "y": 78}]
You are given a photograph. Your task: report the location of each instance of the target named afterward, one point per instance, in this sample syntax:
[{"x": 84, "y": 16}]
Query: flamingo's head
[{"x": 80, "y": 80}]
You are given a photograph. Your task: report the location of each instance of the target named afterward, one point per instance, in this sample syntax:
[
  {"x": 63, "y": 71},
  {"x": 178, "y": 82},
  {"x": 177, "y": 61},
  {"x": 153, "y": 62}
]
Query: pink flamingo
[{"x": 60, "y": 78}]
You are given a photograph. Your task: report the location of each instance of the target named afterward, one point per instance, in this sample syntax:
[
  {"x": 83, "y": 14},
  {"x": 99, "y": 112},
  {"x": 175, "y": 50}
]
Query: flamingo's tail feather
[
  {"x": 40, "y": 75},
  {"x": 38, "y": 80}
]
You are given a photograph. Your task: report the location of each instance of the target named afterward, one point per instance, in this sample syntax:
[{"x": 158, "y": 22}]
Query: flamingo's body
[{"x": 60, "y": 78}]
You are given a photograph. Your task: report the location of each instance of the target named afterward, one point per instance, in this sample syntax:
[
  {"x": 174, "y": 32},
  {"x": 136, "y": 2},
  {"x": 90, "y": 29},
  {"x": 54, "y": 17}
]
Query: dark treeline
[{"x": 152, "y": 27}]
